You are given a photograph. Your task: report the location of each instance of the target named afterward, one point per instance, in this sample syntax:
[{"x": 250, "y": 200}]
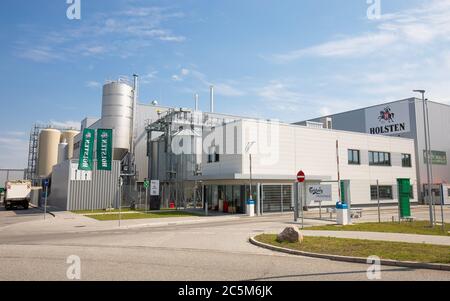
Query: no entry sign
[{"x": 301, "y": 176}]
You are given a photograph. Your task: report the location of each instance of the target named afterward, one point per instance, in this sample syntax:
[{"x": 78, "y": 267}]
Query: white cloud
[
  {"x": 93, "y": 84},
  {"x": 355, "y": 46},
  {"x": 421, "y": 26},
  {"x": 148, "y": 78},
  {"x": 69, "y": 124},
  {"x": 119, "y": 33}
]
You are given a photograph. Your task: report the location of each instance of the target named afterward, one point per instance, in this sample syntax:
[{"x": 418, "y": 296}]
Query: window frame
[
  {"x": 383, "y": 197},
  {"x": 409, "y": 157},
  {"x": 379, "y": 158},
  {"x": 351, "y": 160}
]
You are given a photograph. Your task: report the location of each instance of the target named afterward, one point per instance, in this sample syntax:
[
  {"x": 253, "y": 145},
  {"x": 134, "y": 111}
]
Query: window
[
  {"x": 353, "y": 157},
  {"x": 406, "y": 160},
  {"x": 379, "y": 159},
  {"x": 213, "y": 155},
  {"x": 385, "y": 192}
]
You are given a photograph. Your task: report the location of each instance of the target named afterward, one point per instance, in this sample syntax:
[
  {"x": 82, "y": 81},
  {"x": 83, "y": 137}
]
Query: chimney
[{"x": 212, "y": 98}]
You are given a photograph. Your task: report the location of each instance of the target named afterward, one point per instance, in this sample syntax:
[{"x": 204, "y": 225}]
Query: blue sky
[{"x": 287, "y": 59}]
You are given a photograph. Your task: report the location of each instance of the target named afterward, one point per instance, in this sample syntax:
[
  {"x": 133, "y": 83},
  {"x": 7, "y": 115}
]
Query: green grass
[
  {"x": 114, "y": 210},
  {"x": 139, "y": 215},
  {"x": 100, "y": 211},
  {"x": 415, "y": 227},
  {"x": 365, "y": 248}
]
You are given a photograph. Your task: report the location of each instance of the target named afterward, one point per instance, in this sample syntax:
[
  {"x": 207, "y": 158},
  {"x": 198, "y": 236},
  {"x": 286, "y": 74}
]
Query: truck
[{"x": 17, "y": 193}]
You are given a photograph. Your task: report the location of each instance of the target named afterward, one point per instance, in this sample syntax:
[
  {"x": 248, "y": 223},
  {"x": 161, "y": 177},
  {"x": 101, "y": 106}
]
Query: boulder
[{"x": 290, "y": 234}]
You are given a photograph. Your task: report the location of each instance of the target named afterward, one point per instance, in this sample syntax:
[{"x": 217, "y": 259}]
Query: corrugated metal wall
[{"x": 99, "y": 193}]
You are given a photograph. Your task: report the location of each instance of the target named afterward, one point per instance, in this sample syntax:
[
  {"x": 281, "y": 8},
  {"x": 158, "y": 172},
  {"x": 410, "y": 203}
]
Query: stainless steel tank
[
  {"x": 48, "y": 151},
  {"x": 117, "y": 114},
  {"x": 68, "y": 137},
  {"x": 63, "y": 152}
]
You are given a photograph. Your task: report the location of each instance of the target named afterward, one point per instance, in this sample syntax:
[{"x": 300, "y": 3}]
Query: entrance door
[{"x": 276, "y": 198}]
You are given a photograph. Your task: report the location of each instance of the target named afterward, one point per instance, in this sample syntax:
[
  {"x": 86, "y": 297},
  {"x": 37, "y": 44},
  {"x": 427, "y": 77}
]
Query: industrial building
[
  {"x": 207, "y": 159},
  {"x": 219, "y": 174},
  {"x": 405, "y": 118}
]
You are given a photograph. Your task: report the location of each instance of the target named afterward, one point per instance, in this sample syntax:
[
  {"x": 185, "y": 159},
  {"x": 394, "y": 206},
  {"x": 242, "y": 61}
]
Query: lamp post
[
  {"x": 247, "y": 150},
  {"x": 428, "y": 153}
]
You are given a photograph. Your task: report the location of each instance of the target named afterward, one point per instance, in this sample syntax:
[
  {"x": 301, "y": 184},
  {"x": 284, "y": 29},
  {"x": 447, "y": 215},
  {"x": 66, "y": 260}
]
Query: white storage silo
[
  {"x": 117, "y": 114},
  {"x": 48, "y": 151},
  {"x": 68, "y": 137}
]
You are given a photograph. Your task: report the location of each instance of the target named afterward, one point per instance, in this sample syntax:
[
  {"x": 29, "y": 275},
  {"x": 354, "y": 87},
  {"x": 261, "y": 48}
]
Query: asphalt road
[
  {"x": 18, "y": 215},
  {"x": 207, "y": 251}
]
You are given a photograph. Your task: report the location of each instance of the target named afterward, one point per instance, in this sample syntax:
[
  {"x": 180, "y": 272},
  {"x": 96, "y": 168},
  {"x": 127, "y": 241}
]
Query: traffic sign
[
  {"x": 46, "y": 183},
  {"x": 301, "y": 176},
  {"x": 146, "y": 184}
]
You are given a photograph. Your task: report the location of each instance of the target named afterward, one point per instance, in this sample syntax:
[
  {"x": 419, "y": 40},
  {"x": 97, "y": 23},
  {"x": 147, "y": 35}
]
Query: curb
[
  {"x": 48, "y": 212},
  {"x": 388, "y": 262}
]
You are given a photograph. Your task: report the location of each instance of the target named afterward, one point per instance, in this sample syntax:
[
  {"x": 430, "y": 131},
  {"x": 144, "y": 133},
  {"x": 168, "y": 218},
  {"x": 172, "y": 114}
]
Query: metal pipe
[
  {"x": 427, "y": 157},
  {"x": 212, "y": 98},
  {"x": 133, "y": 125},
  {"x": 196, "y": 102},
  {"x": 431, "y": 162}
]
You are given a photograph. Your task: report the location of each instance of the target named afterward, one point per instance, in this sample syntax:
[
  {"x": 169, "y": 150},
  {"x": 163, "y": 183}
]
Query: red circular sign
[{"x": 301, "y": 176}]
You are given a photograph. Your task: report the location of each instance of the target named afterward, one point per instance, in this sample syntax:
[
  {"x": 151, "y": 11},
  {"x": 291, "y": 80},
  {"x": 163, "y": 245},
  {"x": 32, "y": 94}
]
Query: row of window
[
  {"x": 376, "y": 158},
  {"x": 385, "y": 192}
]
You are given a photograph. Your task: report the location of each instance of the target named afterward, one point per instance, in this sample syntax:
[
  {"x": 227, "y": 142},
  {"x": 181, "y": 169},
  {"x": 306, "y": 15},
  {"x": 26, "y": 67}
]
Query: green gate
[{"x": 404, "y": 192}]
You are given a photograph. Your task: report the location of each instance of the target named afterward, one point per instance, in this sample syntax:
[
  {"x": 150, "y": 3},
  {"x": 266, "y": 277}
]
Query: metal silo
[
  {"x": 48, "y": 151},
  {"x": 69, "y": 136},
  {"x": 117, "y": 114},
  {"x": 63, "y": 152}
]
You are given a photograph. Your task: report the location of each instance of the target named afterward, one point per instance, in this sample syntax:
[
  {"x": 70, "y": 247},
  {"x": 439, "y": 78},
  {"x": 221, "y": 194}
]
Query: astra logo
[{"x": 386, "y": 115}]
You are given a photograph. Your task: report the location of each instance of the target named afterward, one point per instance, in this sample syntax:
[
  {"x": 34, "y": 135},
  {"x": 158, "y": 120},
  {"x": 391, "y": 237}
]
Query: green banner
[
  {"x": 104, "y": 149},
  {"x": 437, "y": 158},
  {"x": 87, "y": 150}
]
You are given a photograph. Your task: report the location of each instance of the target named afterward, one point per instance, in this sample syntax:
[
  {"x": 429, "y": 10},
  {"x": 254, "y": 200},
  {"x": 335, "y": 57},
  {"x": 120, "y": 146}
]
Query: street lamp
[
  {"x": 247, "y": 150},
  {"x": 428, "y": 152}
]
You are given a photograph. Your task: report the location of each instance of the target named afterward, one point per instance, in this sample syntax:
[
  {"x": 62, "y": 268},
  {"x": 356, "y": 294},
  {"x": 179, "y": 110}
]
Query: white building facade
[
  {"x": 278, "y": 151},
  {"x": 405, "y": 118}
]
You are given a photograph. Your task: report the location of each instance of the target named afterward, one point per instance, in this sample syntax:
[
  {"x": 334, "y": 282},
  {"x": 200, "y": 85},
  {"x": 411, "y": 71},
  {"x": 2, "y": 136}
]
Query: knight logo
[
  {"x": 388, "y": 121},
  {"x": 386, "y": 115}
]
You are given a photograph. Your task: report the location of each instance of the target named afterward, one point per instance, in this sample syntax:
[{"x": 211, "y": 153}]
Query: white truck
[{"x": 17, "y": 193}]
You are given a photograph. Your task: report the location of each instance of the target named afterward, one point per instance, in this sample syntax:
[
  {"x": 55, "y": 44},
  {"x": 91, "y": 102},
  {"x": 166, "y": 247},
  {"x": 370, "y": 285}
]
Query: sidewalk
[
  {"x": 397, "y": 237},
  {"x": 67, "y": 222}
]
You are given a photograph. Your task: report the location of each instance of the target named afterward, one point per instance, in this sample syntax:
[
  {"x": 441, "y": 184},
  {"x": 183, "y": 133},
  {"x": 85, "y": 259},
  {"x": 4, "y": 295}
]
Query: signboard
[
  {"x": 301, "y": 176},
  {"x": 154, "y": 188},
  {"x": 388, "y": 119},
  {"x": 437, "y": 158},
  {"x": 319, "y": 193},
  {"x": 79, "y": 175},
  {"x": 87, "y": 150},
  {"x": 104, "y": 149},
  {"x": 146, "y": 184}
]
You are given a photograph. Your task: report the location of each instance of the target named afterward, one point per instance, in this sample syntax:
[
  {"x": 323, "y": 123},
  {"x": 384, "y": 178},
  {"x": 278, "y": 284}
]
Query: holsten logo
[{"x": 388, "y": 124}]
